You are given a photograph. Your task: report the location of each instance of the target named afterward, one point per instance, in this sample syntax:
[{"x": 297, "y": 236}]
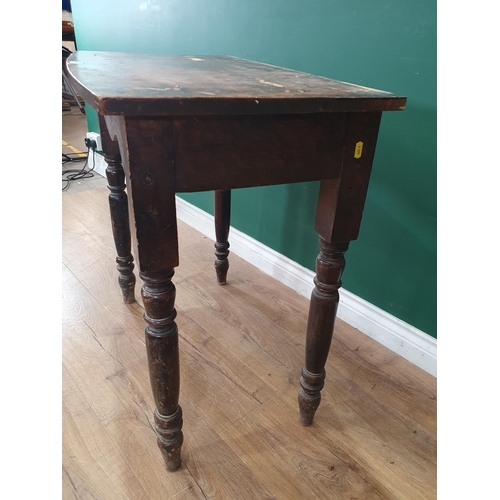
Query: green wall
[{"x": 385, "y": 44}]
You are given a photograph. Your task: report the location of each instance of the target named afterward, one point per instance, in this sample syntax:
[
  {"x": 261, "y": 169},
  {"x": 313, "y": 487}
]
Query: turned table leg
[
  {"x": 222, "y": 202},
  {"x": 147, "y": 150},
  {"x": 118, "y": 207},
  {"x": 162, "y": 344},
  {"x": 338, "y": 218},
  {"x": 322, "y": 313}
]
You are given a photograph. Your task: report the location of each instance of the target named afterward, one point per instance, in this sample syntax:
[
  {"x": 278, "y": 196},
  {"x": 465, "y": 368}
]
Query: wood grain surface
[
  {"x": 214, "y": 152},
  {"x": 152, "y": 85}
]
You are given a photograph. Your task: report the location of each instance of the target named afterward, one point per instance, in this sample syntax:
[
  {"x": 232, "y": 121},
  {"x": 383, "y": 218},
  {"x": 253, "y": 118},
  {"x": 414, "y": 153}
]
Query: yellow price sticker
[{"x": 358, "y": 150}]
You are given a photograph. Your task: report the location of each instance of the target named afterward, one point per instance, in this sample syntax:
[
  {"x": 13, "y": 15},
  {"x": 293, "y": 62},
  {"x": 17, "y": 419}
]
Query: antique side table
[{"x": 210, "y": 123}]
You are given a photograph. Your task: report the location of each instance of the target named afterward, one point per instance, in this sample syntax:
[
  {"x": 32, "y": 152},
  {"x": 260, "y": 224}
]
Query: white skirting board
[{"x": 398, "y": 336}]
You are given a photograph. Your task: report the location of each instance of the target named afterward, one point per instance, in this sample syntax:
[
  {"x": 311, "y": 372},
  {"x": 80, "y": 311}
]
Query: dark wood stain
[
  {"x": 222, "y": 219},
  {"x": 341, "y": 200},
  {"x": 149, "y": 165},
  {"x": 118, "y": 207},
  {"x": 322, "y": 313},
  {"x": 143, "y": 84},
  {"x": 162, "y": 345},
  {"x": 259, "y": 150}
]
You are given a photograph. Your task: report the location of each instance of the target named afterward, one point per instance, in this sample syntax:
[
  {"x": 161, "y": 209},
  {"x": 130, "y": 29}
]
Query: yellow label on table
[{"x": 358, "y": 150}]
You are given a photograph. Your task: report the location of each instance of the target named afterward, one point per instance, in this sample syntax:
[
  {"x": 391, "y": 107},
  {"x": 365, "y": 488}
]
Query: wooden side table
[{"x": 200, "y": 123}]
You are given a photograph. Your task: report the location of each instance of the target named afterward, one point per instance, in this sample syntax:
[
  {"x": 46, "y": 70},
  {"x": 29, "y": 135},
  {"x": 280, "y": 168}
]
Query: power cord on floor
[{"x": 70, "y": 175}]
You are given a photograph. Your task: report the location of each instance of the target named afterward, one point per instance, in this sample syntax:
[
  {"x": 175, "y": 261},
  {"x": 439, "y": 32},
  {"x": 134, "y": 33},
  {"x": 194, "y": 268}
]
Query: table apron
[{"x": 227, "y": 152}]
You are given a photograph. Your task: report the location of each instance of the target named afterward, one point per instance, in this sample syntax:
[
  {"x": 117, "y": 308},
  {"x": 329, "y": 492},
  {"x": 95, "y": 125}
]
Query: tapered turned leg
[
  {"x": 338, "y": 219},
  {"x": 147, "y": 147},
  {"x": 162, "y": 344},
  {"x": 222, "y": 201},
  {"x": 322, "y": 312},
  {"x": 118, "y": 207}
]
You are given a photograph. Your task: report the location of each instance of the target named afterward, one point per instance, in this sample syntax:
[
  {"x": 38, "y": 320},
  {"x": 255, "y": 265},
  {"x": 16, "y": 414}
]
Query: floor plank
[
  {"x": 294, "y": 461},
  {"x": 92, "y": 464}
]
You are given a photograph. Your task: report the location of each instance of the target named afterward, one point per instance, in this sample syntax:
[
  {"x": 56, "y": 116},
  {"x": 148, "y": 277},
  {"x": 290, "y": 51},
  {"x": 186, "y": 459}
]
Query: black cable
[
  {"x": 72, "y": 157},
  {"x": 75, "y": 174}
]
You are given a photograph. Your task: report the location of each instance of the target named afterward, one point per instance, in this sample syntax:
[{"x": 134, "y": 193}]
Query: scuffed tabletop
[{"x": 141, "y": 84}]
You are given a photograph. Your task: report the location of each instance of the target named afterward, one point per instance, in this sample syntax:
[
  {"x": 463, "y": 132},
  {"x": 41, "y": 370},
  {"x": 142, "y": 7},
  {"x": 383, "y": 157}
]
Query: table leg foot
[
  {"x": 126, "y": 278},
  {"x": 221, "y": 262},
  {"x": 162, "y": 344},
  {"x": 170, "y": 437},
  {"x": 309, "y": 395},
  {"x": 322, "y": 313},
  {"x": 222, "y": 205}
]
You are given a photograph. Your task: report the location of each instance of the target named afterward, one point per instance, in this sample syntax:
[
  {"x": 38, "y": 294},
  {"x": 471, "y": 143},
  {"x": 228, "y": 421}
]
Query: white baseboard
[{"x": 398, "y": 336}]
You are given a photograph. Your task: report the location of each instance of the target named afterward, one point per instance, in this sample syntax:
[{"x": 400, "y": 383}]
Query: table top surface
[{"x": 141, "y": 84}]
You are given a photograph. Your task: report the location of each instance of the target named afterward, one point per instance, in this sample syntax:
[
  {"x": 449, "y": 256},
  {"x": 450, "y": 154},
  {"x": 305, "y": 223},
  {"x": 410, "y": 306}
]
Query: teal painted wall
[{"x": 385, "y": 44}]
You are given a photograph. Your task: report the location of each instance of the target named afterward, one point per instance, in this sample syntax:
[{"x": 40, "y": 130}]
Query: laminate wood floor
[{"x": 241, "y": 350}]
